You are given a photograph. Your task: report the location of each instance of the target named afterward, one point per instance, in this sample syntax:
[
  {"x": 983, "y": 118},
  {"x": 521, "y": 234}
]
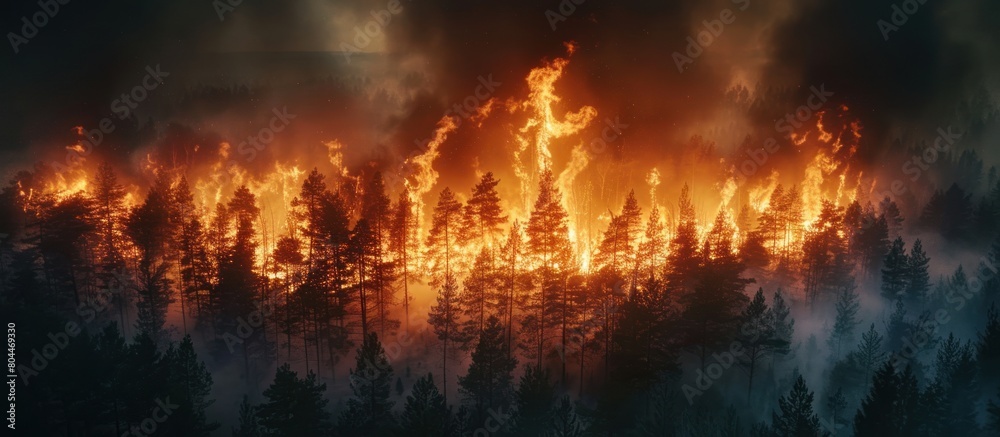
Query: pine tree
[
  {"x": 535, "y": 403},
  {"x": 988, "y": 348},
  {"x": 993, "y": 409},
  {"x": 549, "y": 246},
  {"x": 684, "y": 262},
  {"x": 641, "y": 348},
  {"x": 366, "y": 259},
  {"x": 248, "y": 424},
  {"x": 869, "y": 240},
  {"x": 784, "y": 324},
  {"x": 192, "y": 253},
  {"x": 870, "y": 352},
  {"x": 792, "y": 221},
  {"x": 835, "y": 404},
  {"x": 958, "y": 375},
  {"x": 827, "y": 270},
  {"x": 294, "y": 407},
  {"x": 149, "y": 229},
  {"x": 565, "y": 421},
  {"x": 483, "y": 213},
  {"x": 616, "y": 248},
  {"x": 489, "y": 381},
  {"x": 917, "y": 278},
  {"x": 758, "y": 336},
  {"x": 895, "y": 268},
  {"x": 236, "y": 289},
  {"x": 109, "y": 215},
  {"x": 711, "y": 313},
  {"x": 512, "y": 281},
  {"x": 189, "y": 385},
  {"x": 845, "y": 322},
  {"x": 331, "y": 296},
  {"x": 443, "y": 237},
  {"x": 797, "y": 418},
  {"x": 888, "y": 409},
  {"x": 376, "y": 210},
  {"x": 476, "y": 300},
  {"x": 425, "y": 413},
  {"x": 893, "y": 217},
  {"x": 770, "y": 224},
  {"x": 403, "y": 241},
  {"x": 369, "y": 410},
  {"x": 652, "y": 256},
  {"x": 444, "y": 318}
]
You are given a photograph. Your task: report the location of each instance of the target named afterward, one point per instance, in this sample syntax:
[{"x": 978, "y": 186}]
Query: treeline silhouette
[{"x": 558, "y": 344}]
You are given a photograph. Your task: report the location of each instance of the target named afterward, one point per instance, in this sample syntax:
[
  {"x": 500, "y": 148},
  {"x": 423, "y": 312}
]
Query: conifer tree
[
  {"x": 549, "y": 245},
  {"x": 870, "y": 352},
  {"x": 476, "y": 299},
  {"x": 425, "y": 413},
  {"x": 895, "y": 269},
  {"x": 403, "y": 241},
  {"x": 711, "y": 313},
  {"x": 988, "y": 347},
  {"x": 443, "y": 237},
  {"x": 917, "y": 278},
  {"x": 616, "y": 248},
  {"x": 684, "y": 261},
  {"x": 294, "y": 407},
  {"x": 376, "y": 211},
  {"x": 444, "y": 318},
  {"x": 536, "y": 398},
  {"x": 845, "y": 322},
  {"x": 369, "y": 410},
  {"x": 148, "y": 227},
  {"x": 511, "y": 281},
  {"x": 796, "y": 418},
  {"x": 784, "y": 324},
  {"x": 758, "y": 335},
  {"x": 489, "y": 381},
  {"x": 483, "y": 213},
  {"x": 651, "y": 251},
  {"x": 888, "y": 408},
  {"x": 248, "y": 424},
  {"x": 189, "y": 386}
]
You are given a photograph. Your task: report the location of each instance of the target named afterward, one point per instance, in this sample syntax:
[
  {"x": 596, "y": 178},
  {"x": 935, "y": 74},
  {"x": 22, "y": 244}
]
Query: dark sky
[{"x": 432, "y": 53}]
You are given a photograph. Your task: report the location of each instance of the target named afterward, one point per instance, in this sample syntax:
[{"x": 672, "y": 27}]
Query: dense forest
[{"x": 130, "y": 311}]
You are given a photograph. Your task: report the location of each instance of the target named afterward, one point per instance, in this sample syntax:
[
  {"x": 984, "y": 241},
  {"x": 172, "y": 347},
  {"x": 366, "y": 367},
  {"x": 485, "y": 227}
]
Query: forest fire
[
  {"x": 825, "y": 178},
  {"x": 473, "y": 224}
]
